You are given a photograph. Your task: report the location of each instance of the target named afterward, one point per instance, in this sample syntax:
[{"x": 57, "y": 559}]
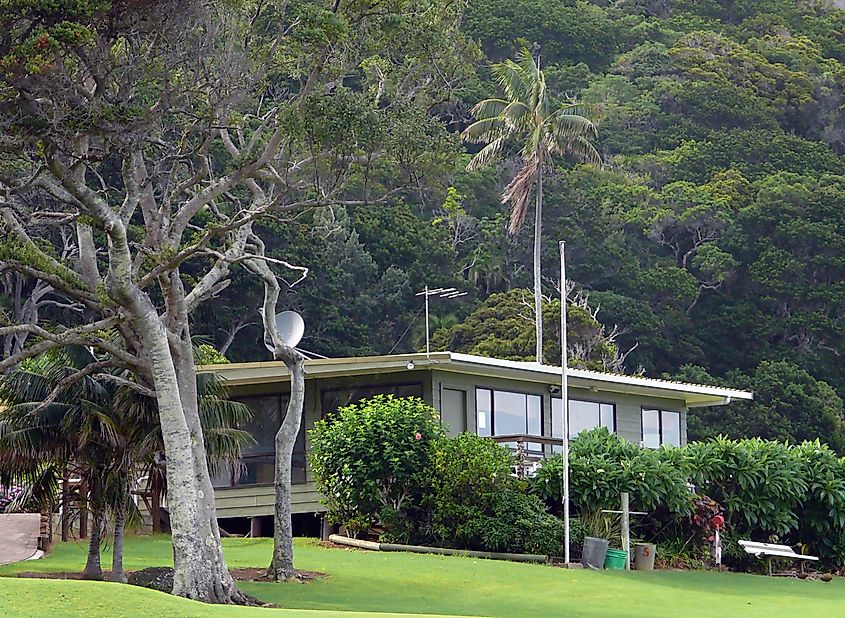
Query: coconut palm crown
[
  {"x": 543, "y": 125},
  {"x": 540, "y": 126}
]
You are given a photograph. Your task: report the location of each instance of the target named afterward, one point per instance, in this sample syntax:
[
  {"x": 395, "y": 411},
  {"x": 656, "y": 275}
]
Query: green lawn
[{"x": 407, "y": 583}]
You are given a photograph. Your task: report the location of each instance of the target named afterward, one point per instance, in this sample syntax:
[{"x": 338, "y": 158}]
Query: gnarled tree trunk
[
  {"x": 281, "y": 565},
  {"x": 200, "y": 569}
]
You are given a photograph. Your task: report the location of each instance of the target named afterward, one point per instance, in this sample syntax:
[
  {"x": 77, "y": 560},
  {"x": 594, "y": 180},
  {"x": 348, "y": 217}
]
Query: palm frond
[
  {"x": 485, "y": 130},
  {"x": 564, "y": 122},
  {"x": 583, "y": 149},
  {"x": 518, "y": 193},
  {"x": 488, "y": 108},
  {"x": 517, "y": 116},
  {"x": 516, "y": 78},
  {"x": 487, "y": 155}
]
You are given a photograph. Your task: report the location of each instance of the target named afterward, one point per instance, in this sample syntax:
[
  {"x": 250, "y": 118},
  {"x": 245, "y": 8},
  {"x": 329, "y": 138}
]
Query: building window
[
  {"x": 661, "y": 427},
  {"x": 258, "y": 461},
  {"x": 583, "y": 416},
  {"x": 500, "y": 413},
  {"x": 334, "y": 399}
]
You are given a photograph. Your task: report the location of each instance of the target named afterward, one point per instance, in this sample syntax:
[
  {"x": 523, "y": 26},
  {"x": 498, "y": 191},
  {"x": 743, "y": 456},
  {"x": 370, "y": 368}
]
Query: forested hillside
[{"x": 713, "y": 237}]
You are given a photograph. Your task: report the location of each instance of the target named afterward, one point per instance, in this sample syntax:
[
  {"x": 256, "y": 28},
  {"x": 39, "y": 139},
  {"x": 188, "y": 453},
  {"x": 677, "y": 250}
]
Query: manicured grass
[
  {"x": 455, "y": 586},
  {"x": 36, "y": 598}
]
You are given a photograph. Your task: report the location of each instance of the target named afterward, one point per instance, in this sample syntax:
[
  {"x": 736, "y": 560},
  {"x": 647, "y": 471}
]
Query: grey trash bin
[
  {"x": 644, "y": 556},
  {"x": 594, "y": 552}
]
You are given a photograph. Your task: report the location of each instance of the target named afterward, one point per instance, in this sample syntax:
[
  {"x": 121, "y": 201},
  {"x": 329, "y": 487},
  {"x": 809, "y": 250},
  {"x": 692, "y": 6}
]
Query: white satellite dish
[{"x": 291, "y": 328}]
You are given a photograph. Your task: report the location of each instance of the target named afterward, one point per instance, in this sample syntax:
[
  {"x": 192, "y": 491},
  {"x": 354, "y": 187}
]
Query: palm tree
[
  {"x": 544, "y": 127},
  {"x": 102, "y": 431}
]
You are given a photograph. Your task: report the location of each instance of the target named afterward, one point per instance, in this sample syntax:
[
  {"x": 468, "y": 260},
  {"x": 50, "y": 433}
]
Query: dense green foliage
[
  {"x": 712, "y": 237},
  {"x": 384, "y": 465},
  {"x": 371, "y": 460},
  {"x": 789, "y": 404},
  {"x": 503, "y": 327},
  {"x": 476, "y": 503},
  {"x": 765, "y": 489},
  {"x": 602, "y": 465}
]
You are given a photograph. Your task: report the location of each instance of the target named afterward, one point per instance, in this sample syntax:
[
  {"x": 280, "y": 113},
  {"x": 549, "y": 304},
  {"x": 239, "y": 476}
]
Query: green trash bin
[{"x": 615, "y": 560}]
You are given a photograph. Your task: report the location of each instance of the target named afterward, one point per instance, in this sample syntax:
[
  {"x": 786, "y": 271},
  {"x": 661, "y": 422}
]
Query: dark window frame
[
  {"x": 660, "y": 412},
  {"x": 234, "y": 477},
  {"x": 493, "y": 409},
  {"x": 601, "y": 402},
  {"x": 324, "y": 391}
]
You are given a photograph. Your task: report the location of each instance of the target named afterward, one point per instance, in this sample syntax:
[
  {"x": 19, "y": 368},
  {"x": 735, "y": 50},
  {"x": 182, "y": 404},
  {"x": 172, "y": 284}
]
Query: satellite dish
[{"x": 290, "y": 326}]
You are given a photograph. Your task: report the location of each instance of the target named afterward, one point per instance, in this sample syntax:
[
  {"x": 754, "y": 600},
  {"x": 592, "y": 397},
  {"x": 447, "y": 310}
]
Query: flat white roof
[{"x": 274, "y": 371}]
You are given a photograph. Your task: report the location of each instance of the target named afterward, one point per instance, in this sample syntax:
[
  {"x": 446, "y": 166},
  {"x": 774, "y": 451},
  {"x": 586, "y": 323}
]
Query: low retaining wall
[{"x": 442, "y": 551}]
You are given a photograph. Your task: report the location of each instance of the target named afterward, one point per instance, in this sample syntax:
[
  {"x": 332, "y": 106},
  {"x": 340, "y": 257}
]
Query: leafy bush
[
  {"x": 517, "y": 523},
  {"x": 602, "y": 465},
  {"x": 760, "y": 484},
  {"x": 467, "y": 474},
  {"x": 371, "y": 462},
  {"x": 821, "y": 523}
]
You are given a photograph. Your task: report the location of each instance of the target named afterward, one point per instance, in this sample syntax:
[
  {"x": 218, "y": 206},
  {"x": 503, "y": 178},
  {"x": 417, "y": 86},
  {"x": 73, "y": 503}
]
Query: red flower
[{"x": 418, "y": 436}]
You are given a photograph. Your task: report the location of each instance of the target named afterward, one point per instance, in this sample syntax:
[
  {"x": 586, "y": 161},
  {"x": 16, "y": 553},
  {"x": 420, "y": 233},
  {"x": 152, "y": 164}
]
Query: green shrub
[
  {"x": 371, "y": 462},
  {"x": 467, "y": 474},
  {"x": 517, "y": 523},
  {"x": 577, "y": 531},
  {"x": 760, "y": 484},
  {"x": 476, "y": 503},
  {"x": 602, "y": 465},
  {"x": 768, "y": 491},
  {"x": 821, "y": 520}
]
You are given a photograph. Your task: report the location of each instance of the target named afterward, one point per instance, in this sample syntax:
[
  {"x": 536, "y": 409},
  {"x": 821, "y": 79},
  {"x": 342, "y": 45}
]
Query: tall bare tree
[
  {"x": 161, "y": 131},
  {"x": 540, "y": 126}
]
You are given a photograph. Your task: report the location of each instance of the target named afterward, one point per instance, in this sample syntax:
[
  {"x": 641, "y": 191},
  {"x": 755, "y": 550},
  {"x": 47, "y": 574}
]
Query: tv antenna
[{"x": 445, "y": 293}]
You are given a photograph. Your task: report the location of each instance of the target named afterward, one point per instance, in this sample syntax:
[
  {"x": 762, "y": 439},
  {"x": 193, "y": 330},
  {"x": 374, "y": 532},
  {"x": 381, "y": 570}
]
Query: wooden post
[
  {"x": 255, "y": 527},
  {"x": 65, "y": 506},
  {"x": 626, "y": 530}
]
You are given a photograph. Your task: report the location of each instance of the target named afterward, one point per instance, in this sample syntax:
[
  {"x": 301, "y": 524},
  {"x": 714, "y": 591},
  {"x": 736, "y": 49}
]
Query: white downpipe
[{"x": 564, "y": 403}]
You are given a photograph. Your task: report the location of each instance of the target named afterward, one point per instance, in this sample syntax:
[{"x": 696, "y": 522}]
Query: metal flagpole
[{"x": 564, "y": 407}]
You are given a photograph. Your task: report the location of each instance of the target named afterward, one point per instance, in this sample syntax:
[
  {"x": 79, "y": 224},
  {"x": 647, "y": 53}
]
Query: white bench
[{"x": 771, "y": 550}]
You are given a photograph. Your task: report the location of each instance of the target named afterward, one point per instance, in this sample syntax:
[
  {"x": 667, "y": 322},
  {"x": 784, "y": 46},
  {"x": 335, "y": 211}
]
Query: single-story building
[{"x": 506, "y": 400}]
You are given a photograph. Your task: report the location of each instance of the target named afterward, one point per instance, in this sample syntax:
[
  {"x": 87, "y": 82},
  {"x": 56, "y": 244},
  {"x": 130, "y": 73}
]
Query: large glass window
[
  {"x": 484, "y": 411},
  {"x": 661, "y": 427},
  {"x": 651, "y": 428},
  {"x": 510, "y": 413},
  {"x": 500, "y": 413},
  {"x": 670, "y": 423},
  {"x": 583, "y": 416},
  {"x": 258, "y": 462},
  {"x": 334, "y": 399}
]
